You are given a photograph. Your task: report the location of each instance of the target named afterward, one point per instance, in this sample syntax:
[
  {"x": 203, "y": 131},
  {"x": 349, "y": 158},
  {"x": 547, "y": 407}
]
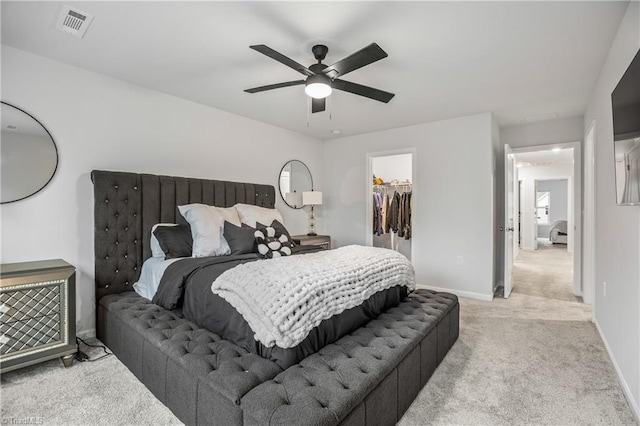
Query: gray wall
[
  {"x": 543, "y": 132},
  {"x": 452, "y": 198},
  {"x": 558, "y": 205},
  {"x": 617, "y": 234},
  {"x": 103, "y": 123}
]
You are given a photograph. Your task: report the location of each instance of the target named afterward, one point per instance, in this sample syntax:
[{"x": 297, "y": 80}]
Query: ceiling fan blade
[
  {"x": 265, "y": 50},
  {"x": 359, "y": 59},
  {"x": 318, "y": 105},
  {"x": 359, "y": 89},
  {"x": 275, "y": 86}
]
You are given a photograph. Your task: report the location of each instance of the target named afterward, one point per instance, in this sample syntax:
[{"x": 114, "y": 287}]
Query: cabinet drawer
[
  {"x": 20, "y": 305},
  {"x": 31, "y": 333},
  {"x": 37, "y": 313}
]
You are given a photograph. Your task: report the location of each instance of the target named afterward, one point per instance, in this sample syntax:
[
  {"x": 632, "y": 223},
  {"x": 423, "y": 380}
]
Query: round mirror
[
  {"x": 295, "y": 178},
  {"x": 28, "y": 155}
]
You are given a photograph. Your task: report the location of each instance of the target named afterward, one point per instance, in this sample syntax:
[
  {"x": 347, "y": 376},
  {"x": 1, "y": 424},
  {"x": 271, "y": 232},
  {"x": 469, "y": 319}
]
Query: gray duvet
[{"x": 186, "y": 284}]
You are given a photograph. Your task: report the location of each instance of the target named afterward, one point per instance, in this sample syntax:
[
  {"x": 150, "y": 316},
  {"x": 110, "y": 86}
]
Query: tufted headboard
[{"x": 127, "y": 205}]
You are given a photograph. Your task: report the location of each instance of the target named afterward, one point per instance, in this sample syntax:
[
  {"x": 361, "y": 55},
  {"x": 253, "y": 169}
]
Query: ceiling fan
[{"x": 321, "y": 79}]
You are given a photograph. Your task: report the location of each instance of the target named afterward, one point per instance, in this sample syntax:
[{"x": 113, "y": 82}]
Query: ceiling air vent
[{"x": 73, "y": 21}]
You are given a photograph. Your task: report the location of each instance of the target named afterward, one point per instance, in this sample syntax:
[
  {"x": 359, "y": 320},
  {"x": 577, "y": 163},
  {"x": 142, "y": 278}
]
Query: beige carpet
[
  {"x": 546, "y": 272},
  {"x": 534, "y": 358}
]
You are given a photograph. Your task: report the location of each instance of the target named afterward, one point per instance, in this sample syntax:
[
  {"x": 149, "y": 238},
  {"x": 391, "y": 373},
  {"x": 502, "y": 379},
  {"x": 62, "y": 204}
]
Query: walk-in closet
[{"x": 392, "y": 191}]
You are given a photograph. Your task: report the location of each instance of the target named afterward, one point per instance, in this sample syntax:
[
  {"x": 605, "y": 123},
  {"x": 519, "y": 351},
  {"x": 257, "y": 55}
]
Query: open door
[
  {"x": 536, "y": 218},
  {"x": 509, "y": 216}
]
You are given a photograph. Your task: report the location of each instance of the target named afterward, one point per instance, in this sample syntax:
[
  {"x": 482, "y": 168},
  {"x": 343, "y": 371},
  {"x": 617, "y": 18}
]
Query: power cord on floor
[{"x": 83, "y": 357}]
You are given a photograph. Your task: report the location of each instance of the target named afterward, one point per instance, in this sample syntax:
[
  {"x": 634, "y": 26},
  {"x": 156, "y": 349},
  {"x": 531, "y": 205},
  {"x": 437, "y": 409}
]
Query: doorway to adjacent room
[
  {"x": 391, "y": 200},
  {"x": 546, "y": 247}
]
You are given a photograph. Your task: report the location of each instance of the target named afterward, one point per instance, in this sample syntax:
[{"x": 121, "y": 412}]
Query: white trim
[
  {"x": 460, "y": 293},
  {"x": 369, "y": 191},
  {"x": 589, "y": 220},
  {"x": 623, "y": 383}
]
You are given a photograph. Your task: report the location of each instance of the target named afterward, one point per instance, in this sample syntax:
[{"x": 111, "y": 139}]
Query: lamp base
[{"x": 311, "y": 234}]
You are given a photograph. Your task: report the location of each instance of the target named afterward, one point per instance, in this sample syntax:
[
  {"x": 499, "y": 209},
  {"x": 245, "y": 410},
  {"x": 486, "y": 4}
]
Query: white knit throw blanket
[{"x": 283, "y": 299}]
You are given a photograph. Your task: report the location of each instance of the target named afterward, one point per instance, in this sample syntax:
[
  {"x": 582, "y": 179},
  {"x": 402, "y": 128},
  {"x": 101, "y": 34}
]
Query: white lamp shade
[
  {"x": 312, "y": 198},
  {"x": 293, "y": 198}
]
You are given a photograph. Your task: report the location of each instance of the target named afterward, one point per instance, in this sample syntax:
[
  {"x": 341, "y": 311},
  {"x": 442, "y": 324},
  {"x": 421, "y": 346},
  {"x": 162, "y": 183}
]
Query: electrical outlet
[
  {"x": 604, "y": 289},
  {"x": 459, "y": 260}
]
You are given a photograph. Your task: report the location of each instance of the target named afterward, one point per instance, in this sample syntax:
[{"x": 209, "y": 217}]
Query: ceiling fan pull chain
[{"x": 308, "y": 108}]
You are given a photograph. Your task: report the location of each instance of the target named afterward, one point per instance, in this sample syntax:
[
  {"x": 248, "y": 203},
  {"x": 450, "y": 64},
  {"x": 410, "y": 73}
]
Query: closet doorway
[{"x": 391, "y": 200}]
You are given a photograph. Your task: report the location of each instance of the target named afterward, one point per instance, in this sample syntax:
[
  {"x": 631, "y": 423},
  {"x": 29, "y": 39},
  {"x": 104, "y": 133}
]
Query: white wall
[
  {"x": 392, "y": 167},
  {"x": 102, "y": 123},
  {"x": 528, "y": 176},
  {"x": 543, "y": 132},
  {"x": 498, "y": 204},
  {"x": 617, "y": 227},
  {"x": 452, "y": 197}
]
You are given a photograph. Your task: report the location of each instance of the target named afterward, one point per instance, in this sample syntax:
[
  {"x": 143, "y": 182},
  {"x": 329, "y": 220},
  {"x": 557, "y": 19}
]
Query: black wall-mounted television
[{"x": 625, "y": 101}]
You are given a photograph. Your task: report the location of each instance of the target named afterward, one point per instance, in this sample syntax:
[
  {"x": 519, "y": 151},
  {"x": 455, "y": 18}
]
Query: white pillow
[
  {"x": 156, "y": 250},
  {"x": 250, "y": 214},
  {"x": 152, "y": 270},
  {"x": 207, "y": 226}
]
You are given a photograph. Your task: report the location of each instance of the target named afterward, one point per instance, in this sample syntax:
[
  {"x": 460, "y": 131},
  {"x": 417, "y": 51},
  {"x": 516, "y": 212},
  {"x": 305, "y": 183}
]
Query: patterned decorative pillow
[{"x": 272, "y": 243}]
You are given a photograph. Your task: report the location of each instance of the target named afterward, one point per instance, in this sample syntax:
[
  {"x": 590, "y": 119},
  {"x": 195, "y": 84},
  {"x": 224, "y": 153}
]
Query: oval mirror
[
  {"x": 28, "y": 155},
  {"x": 295, "y": 178}
]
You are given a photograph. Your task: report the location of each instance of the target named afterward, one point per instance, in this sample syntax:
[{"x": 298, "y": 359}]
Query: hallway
[{"x": 546, "y": 272}]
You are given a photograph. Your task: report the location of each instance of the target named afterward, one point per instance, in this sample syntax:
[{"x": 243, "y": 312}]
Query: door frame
[
  {"x": 535, "y": 214},
  {"x": 576, "y": 206},
  {"x": 589, "y": 231},
  {"x": 508, "y": 228},
  {"x": 415, "y": 196}
]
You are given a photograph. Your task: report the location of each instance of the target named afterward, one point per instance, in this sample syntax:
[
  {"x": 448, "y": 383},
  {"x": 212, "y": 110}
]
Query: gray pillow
[
  {"x": 175, "y": 241},
  {"x": 240, "y": 238}
]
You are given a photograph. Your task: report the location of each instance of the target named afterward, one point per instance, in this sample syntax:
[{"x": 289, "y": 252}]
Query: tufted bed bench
[{"x": 370, "y": 376}]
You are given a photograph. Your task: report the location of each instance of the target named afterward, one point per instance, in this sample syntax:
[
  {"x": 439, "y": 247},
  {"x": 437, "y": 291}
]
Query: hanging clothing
[
  {"x": 405, "y": 216},
  {"x": 385, "y": 211},
  {"x": 377, "y": 214},
  {"x": 392, "y": 213}
]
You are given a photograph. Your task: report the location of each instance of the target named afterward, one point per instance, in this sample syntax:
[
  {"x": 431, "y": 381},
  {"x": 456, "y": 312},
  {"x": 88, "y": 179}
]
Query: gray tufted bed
[{"x": 368, "y": 377}]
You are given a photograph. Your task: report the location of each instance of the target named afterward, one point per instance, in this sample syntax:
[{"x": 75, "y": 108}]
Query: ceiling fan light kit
[
  {"x": 321, "y": 79},
  {"x": 318, "y": 86}
]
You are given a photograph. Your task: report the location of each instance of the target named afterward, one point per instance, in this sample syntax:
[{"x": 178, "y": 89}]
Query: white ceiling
[{"x": 446, "y": 59}]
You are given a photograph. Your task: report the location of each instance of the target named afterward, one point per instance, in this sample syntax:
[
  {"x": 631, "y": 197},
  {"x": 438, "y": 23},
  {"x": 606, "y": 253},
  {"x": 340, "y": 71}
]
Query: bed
[
  {"x": 368, "y": 376},
  {"x": 558, "y": 232}
]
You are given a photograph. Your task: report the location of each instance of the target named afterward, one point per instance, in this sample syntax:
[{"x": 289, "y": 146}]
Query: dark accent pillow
[
  {"x": 175, "y": 241},
  {"x": 280, "y": 229},
  {"x": 272, "y": 243},
  {"x": 240, "y": 238}
]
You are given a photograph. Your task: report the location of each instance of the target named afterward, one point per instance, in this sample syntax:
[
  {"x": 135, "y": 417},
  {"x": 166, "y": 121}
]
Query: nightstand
[
  {"x": 315, "y": 240},
  {"x": 37, "y": 313}
]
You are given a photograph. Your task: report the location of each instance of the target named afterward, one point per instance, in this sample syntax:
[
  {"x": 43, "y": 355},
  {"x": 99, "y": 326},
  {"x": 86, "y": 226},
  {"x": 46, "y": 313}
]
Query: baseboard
[
  {"x": 623, "y": 382},
  {"x": 86, "y": 334},
  {"x": 468, "y": 294}
]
